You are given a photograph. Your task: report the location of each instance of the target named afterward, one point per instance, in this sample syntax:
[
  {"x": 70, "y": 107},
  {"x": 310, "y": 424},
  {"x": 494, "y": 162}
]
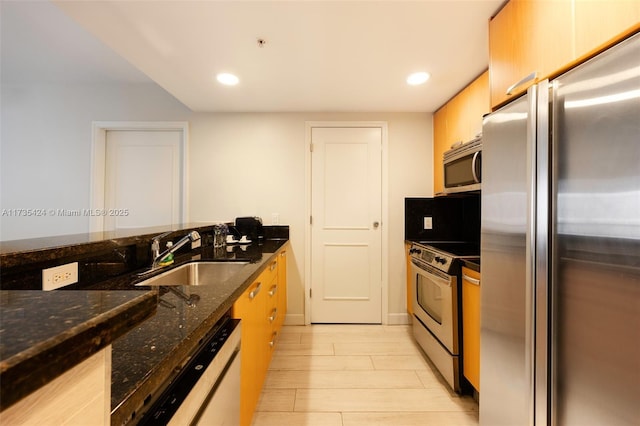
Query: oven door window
[{"x": 429, "y": 296}]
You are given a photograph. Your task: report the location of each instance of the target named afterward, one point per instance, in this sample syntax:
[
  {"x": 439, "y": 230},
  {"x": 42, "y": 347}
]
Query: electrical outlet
[
  {"x": 59, "y": 276},
  {"x": 428, "y": 222},
  {"x": 275, "y": 218}
]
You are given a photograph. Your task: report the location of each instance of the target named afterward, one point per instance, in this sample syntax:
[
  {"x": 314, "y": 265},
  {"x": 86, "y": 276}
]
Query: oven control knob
[
  {"x": 415, "y": 250},
  {"x": 440, "y": 260}
]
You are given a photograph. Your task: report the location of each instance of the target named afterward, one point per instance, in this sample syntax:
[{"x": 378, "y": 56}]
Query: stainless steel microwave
[{"x": 463, "y": 167}]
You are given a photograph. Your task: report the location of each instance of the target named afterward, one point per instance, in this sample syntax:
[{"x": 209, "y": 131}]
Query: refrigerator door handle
[
  {"x": 543, "y": 239},
  {"x": 530, "y": 253}
]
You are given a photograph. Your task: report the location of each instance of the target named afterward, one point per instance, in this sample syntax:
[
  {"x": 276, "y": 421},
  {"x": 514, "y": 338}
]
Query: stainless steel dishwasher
[{"x": 207, "y": 390}]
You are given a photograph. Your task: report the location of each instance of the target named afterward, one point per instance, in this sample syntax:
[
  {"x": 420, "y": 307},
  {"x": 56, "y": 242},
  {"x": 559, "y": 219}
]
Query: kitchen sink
[{"x": 196, "y": 273}]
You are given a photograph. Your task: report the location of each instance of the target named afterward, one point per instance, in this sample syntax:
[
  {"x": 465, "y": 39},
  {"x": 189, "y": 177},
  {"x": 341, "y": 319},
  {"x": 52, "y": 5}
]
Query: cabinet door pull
[
  {"x": 526, "y": 79},
  {"x": 273, "y": 290},
  {"x": 253, "y": 293},
  {"x": 273, "y": 339},
  {"x": 273, "y": 265},
  {"x": 274, "y": 314},
  {"x": 473, "y": 281}
]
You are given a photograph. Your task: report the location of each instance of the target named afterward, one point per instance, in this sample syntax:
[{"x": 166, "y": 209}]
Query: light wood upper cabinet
[
  {"x": 548, "y": 37},
  {"x": 476, "y": 105},
  {"x": 528, "y": 38},
  {"x": 598, "y": 23},
  {"x": 459, "y": 120},
  {"x": 439, "y": 147},
  {"x": 507, "y": 62}
]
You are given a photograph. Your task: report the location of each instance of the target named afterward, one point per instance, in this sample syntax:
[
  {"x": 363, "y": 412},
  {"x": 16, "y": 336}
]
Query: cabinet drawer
[
  {"x": 273, "y": 308},
  {"x": 271, "y": 271},
  {"x": 246, "y": 304}
]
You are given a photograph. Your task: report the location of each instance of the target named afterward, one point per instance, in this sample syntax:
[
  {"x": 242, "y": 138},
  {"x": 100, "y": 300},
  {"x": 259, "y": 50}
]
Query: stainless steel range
[{"x": 437, "y": 326}]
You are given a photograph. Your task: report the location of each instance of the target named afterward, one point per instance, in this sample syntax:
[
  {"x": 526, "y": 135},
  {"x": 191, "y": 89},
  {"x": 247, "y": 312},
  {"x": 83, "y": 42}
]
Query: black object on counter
[{"x": 251, "y": 227}]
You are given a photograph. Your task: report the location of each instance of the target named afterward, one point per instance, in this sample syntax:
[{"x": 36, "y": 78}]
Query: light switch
[{"x": 428, "y": 222}]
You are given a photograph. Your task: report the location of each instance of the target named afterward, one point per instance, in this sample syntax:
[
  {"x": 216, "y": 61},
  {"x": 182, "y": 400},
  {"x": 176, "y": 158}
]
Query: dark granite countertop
[
  {"x": 473, "y": 264},
  {"x": 80, "y": 241},
  {"x": 45, "y": 333},
  {"x": 152, "y": 353},
  {"x": 152, "y": 330}
]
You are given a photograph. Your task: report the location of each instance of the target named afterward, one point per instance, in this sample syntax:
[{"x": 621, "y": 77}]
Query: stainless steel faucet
[{"x": 155, "y": 246}]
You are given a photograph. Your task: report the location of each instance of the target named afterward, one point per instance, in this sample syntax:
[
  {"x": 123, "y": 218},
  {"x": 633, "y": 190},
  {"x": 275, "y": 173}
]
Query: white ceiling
[
  {"x": 39, "y": 43},
  {"x": 319, "y": 55}
]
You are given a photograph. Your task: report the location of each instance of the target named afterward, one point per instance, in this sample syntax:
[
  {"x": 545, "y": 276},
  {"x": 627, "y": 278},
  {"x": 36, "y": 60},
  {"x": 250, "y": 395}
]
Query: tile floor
[{"x": 356, "y": 375}]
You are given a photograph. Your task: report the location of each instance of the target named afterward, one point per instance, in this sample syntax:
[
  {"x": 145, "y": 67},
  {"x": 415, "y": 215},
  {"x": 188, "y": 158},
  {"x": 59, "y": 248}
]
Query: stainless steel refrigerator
[{"x": 560, "y": 249}]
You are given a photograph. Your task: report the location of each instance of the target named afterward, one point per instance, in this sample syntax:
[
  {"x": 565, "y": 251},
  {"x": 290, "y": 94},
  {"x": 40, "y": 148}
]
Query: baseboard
[
  {"x": 294, "y": 319},
  {"x": 398, "y": 319},
  {"x": 392, "y": 319}
]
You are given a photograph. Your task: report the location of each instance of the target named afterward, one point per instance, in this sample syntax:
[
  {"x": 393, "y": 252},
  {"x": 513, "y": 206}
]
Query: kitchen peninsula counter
[
  {"x": 151, "y": 354},
  {"x": 44, "y": 334},
  {"x": 152, "y": 330}
]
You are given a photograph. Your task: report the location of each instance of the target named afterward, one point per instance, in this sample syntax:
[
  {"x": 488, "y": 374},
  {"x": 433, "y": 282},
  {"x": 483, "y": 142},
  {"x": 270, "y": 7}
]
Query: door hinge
[
  {"x": 310, "y": 220},
  {"x": 310, "y": 293},
  {"x": 311, "y": 147}
]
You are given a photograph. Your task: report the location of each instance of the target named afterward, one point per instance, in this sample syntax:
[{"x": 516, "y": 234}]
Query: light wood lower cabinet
[
  {"x": 251, "y": 308},
  {"x": 282, "y": 288},
  {"x": 261, "y": 308},
  {"x": 407, "y": 246},
  {"x": 81, "y": 396},
  {"x": 471, "y": 326}
]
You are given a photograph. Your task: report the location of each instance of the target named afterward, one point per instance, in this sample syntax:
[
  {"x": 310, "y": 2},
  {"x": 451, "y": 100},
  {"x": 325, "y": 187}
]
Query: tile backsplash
[{"x": 452, "y": 218}]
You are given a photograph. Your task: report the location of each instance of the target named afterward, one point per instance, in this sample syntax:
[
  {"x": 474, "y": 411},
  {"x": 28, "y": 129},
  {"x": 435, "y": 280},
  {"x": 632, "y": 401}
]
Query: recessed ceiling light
[
  {"x": 227, "y": 79},
  {"x": 418, "y": 78}
]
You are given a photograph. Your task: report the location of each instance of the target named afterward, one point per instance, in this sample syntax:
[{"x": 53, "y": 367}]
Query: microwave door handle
[{"x": 474, "y": 164}]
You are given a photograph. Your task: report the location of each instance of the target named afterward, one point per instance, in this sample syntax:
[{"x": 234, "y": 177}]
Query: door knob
[{"x": 376, "y": 224}]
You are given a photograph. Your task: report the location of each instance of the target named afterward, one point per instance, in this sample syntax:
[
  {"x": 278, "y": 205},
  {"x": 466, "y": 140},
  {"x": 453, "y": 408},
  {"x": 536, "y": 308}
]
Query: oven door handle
[{"x": 433, "y": 273}]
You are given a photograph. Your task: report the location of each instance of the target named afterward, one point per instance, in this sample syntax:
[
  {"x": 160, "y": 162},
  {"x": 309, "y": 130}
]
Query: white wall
[
  {"x": 254, "y": 164},
  {"x": 239, "y": 164},
  {"x": 45, "y": 147}
]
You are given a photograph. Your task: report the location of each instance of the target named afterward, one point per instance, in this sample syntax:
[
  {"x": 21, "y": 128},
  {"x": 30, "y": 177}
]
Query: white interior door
[
  {"x": 346, "y": 208},
  {"x": 143, "y": 178}
]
